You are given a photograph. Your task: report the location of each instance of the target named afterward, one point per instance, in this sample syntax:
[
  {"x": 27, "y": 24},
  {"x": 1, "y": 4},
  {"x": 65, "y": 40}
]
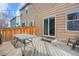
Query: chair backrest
[{"x": 76, "y": 38}]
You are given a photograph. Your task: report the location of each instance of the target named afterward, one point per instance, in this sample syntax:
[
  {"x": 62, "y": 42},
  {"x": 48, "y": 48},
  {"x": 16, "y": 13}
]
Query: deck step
[{"x": 46, "y": 40}]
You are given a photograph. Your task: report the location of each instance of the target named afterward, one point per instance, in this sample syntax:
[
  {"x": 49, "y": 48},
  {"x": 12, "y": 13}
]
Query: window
[
  {"x": 26, "y": 23},
  {"x": 21, "y": 15},
  {"x": 27, "y": 10},
  {"x": 73, "y": 21},
  {"x": 30, "y": 23},
  {"x": 49, "y": 26},
  {"x": 23, "y": 24}
]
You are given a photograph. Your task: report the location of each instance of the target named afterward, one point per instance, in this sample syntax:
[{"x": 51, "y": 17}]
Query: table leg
[
  {"x": 23, "y": 54},
  {"x": 33, "y": 46}
]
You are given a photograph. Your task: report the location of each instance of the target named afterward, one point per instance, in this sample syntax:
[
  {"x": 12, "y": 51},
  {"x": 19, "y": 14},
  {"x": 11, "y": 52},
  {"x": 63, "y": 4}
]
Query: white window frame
[
  {"x": 48, "y": 26},
  {"x": 66, "y": 19}
]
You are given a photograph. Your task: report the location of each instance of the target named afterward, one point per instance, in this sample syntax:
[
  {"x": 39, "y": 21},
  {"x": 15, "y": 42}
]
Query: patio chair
[
  {"x": 0, "y": 38},
  {"x": 74, "y": 41}
]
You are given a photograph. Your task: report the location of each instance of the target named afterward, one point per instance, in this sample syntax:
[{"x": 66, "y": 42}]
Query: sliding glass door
[
  {"x": 46, "y": 26},
  {"x": 49, "y": 26}
]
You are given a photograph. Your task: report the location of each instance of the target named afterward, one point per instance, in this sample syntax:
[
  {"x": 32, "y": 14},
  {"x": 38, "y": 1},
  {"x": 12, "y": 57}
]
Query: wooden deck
[{"x": 42, "y": 49}]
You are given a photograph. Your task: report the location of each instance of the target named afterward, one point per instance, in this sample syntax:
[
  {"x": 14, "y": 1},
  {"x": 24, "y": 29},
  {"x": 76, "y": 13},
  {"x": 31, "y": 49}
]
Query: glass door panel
[
  {"x": 46, "y": 27},
  {"x": 52, "y": 26}
]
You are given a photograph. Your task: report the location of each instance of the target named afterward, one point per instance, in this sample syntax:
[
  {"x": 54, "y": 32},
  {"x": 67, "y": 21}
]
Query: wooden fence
[{"x": 7, "y": 33}]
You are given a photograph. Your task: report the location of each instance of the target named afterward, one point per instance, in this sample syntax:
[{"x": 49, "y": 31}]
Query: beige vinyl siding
[{"x": 39, "y": 11}]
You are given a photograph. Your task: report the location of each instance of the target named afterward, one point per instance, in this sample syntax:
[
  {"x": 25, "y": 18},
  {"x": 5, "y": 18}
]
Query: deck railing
[{"x": 7, "y": 33}]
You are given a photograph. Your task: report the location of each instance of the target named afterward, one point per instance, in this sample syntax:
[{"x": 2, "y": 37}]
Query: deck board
[{"x": 42, "y": 49}]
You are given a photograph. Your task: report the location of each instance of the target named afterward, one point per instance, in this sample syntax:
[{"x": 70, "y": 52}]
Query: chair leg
[
  {"x": 15, "y": 42},
  {"x": 73, "y": 47},
  {"x": 68, "y": 43}
]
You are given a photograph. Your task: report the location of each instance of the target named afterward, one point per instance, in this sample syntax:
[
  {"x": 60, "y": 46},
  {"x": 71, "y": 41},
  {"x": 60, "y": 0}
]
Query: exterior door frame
[{"x": 48, "y": 26}]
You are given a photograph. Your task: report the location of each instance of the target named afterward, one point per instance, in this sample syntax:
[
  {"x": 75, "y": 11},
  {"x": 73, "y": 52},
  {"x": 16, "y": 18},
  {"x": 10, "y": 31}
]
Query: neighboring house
[
  {"x": 15, "y": 22},
  {"x": 3, "y": 22},
  {"x": 56, "y": 20}
]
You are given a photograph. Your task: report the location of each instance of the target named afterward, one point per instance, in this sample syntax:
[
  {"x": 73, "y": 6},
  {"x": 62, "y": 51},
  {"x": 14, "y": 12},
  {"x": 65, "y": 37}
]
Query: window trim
[{"x": 66, "y": 19}]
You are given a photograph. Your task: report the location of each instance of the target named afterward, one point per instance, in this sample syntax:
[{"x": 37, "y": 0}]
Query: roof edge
[{"x": 26, "y": 4}]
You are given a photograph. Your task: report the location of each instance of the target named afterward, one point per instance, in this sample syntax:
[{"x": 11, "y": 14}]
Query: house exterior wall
[{"x": 38, "y": 11}]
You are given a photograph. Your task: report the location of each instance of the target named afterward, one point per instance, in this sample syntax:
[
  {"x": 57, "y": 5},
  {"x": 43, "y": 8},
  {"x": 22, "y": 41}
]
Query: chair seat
[{"x": 74, "y": 41}]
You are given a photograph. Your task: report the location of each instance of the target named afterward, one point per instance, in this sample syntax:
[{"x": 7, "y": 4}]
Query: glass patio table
[{"x": 25, "y": 38}]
